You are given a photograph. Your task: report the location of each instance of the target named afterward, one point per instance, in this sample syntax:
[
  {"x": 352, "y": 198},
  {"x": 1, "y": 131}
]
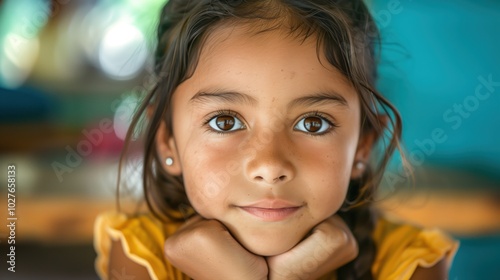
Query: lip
[{"x": 271, "y": 210}]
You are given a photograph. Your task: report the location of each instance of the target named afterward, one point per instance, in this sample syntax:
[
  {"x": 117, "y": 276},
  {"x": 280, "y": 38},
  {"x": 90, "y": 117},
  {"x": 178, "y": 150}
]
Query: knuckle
[
  {"x": 171, "y": 249},
  {"x": 353, "y": 248}
]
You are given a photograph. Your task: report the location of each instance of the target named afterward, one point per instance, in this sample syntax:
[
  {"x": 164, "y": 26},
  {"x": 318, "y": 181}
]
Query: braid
[{"x": 361, "y": 220}]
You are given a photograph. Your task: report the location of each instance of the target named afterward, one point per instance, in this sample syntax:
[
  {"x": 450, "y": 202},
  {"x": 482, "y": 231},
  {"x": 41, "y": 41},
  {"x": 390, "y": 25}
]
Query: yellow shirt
[{"x": 400, "y": 248}]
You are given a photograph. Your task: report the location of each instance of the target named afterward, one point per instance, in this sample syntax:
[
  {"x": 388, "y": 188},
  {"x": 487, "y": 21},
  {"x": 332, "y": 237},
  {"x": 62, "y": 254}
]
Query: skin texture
[
  {"x": 120, "y": 264},
  {"x": 204, "y": 249},
  {"x": 269, "y": 156},
  {"x": 329, "y": 246},
  {"x": 437, "y": 272}
]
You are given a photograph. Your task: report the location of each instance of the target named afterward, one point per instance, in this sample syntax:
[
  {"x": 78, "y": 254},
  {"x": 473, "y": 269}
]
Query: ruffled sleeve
[
  {"x": 403, "y": 248},
  {"x": 142, "y": 238}
]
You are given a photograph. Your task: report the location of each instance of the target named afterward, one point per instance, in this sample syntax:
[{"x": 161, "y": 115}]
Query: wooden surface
[
  {"x": 71, "y": 219},
  {"x": 458, "y": 212}
]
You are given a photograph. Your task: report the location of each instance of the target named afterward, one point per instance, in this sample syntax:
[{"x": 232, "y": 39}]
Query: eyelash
[
  {"x": 318, "y": 114},
  {"x": 220, "y": 113},
  {"x": 225, "y": 112}
]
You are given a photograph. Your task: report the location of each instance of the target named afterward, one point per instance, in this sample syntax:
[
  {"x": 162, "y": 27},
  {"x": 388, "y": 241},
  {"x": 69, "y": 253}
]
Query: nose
[{"x": 271, "y": 164}]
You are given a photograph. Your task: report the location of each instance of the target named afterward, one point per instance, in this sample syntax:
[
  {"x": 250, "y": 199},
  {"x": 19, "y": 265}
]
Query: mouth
[
  {"x": 271, "y": 214},
  {"x": 271, "y": 210}
]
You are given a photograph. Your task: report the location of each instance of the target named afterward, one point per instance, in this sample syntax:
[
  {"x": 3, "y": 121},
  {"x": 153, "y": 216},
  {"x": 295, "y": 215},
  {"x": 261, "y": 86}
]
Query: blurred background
[{"x": 72, "y": 72}]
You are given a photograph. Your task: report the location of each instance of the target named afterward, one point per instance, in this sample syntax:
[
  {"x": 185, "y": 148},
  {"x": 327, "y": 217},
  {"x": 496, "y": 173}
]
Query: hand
[
  {"x": 204, "y": 249},
  {"x": 329, "y": 246}
]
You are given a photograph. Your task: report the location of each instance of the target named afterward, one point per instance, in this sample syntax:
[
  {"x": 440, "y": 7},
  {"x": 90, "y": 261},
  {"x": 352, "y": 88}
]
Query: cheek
[
  {"x": 331, "y": 196},
  {"x": 328, "y": 174},
  {"x": 206, "y": 182},
  {"x": 329, "y": 189}
]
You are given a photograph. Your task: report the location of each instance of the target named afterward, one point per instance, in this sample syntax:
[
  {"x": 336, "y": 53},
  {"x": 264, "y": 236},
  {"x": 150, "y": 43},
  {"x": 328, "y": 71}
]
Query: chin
[
  {"x": 265, "y": 249},
  {"x": 267, "y": 241}
]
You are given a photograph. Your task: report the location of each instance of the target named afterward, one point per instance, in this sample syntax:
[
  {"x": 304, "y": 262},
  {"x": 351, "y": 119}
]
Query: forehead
[
  {"x": 253, "y": 39},
  {"x": 243, "y": 53}
]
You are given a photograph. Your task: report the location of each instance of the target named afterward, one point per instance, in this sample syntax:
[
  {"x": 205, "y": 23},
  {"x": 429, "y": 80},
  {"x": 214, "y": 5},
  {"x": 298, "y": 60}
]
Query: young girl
[{"x": 258, "y": 160}]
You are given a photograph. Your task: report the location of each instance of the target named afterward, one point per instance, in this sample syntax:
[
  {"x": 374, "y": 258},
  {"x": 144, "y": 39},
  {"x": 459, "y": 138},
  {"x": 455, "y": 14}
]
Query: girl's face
[{"x": 265, "y": 137}]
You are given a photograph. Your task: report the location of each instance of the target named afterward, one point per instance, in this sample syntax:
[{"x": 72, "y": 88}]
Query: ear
[
  {"x": 166, "y": 147},
  {"x": 367, "y": 140}
]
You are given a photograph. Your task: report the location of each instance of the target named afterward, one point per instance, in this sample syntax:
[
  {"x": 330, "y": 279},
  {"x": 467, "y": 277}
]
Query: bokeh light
[
  {"x": 122, "y": 52},
  {"x": 20, "y": 24}
]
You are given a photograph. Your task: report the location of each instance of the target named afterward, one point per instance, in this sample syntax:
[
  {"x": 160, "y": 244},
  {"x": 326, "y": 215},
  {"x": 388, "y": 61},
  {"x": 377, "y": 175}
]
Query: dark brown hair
[{"x": 347, "y": 36}]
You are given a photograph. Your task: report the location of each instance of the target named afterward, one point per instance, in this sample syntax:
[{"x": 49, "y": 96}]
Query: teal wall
[{"x": 436, "y": 56}]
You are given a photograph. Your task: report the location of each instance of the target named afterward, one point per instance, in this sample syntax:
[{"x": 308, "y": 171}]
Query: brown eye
[
  {"x": 225, "y": 123},
  {"x": 313, "y": 125}
]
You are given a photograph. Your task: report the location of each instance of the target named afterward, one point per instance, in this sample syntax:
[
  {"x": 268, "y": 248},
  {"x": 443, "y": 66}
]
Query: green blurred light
[{"x": 20, "y": 24}]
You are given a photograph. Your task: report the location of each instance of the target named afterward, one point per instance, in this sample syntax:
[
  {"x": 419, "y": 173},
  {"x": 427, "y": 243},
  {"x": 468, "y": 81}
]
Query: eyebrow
[
  {"x": 319, "y": 98},
  {"x": 223, "y": 96}
]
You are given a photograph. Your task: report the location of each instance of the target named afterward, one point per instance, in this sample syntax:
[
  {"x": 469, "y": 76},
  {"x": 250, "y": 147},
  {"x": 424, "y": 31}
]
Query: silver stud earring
[
  {"x": 169, "y": 161},
  {"x": 360, "y": 165}
]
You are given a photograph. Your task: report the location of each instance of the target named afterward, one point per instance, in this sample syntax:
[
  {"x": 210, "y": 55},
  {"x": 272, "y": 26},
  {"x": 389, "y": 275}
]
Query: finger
[
  {"x": 207, "y": 248},
  {"x": 193, "y": 220},
  {"x": 335, "y": 234},
  {"x": 330, "y": 245}
]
